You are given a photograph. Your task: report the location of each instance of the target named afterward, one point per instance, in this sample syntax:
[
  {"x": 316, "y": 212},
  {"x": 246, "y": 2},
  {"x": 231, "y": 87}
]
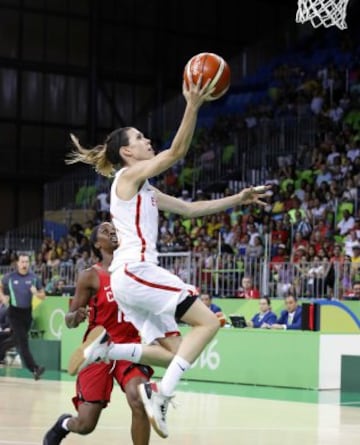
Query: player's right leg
[{"x": 93, "y": 349}]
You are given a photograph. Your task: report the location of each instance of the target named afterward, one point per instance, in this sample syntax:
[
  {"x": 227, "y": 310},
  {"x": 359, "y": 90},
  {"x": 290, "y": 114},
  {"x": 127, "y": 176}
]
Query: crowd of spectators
[{"x": 309, "y": 232}]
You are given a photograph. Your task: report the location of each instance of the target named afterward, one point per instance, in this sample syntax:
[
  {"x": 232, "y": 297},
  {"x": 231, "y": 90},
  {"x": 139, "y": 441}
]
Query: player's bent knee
[
  {"x": 135, "y": 403},
  {"x": 137, "y": 407},
  {"x": 85, "y": 427},
  {"x": 213, "y": 324}
]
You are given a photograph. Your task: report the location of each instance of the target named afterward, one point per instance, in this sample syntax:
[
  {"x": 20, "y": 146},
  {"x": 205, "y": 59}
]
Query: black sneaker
[
  {"x": 56, "y": 433},
  {"x": 38, "y": 371}
]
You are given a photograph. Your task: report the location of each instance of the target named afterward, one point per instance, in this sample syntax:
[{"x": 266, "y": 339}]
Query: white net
[{"x": 322, "y": 13}]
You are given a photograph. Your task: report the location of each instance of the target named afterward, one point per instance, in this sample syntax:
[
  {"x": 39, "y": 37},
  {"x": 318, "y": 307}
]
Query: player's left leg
[
  {"x": 129, "y": 376},
  {"x": 84, "y": 423},
  {"x": 93, "y": 390}
]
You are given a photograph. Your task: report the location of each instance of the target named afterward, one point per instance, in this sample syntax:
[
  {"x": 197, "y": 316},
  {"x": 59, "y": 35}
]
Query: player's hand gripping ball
[{"x": 210, "y": 66}]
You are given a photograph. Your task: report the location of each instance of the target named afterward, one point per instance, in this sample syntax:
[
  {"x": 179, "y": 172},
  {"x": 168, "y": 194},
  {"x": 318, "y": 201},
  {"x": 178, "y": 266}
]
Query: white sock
[
  {"x": 64, "y": 423},
  {"x": 126, "y": 351},
  {"x": 173, "y": 374}
]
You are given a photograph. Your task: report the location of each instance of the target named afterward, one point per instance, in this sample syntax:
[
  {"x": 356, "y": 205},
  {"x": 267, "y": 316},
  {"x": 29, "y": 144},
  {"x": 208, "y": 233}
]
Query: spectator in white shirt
[
  {"x": 317, "y": 103},
  {"x": 324, "y": 175},
  {"x": 332, "y": 155},
  {"x": 350, "y": 241},
  {"x": 352, "y": 151},
  {"x": 345, "y": 225},
  {"x": 335, "y": 113}
]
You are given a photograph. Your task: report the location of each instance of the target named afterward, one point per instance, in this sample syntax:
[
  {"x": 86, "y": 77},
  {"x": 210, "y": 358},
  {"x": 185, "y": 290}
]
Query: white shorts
[{"x": 148, "y": 295}]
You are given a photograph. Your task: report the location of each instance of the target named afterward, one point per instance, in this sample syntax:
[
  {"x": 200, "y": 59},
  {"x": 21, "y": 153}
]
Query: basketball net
[{"x": 322, "y": 13}]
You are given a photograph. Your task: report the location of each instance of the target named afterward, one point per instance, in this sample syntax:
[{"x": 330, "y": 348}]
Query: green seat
[
  {"x": 344, "y": 206},
  {"x": 228, "y": 154},
  {"x": 308, "y": 175}
]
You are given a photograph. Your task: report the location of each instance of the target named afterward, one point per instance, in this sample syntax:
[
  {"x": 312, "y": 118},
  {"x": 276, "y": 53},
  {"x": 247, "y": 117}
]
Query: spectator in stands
[
  {"x": 302, "y": 226},
  {"x": 290, "y": 317},
  {"x": 299, "y": 241},
  {"x": 356, "y": 228},
  {"x": 256, "y": 250},
  {"x": 247, "y": 289},
  {"x": 83, "y": 262},
  {"x": 280, "y": 256},
  {"x": 355, "y": 263},
  {"x": 264, "y": 317},
  {"x": 345, "y": 277},
  {"x": 346, "y": 224},
  {"x": 324, "y": 175},
  {"x": 352, "y": 150},
  {"x": 89, "y": 226},
  {"x": 207, "y": 300},
  {"x": 102, "y": 201},
  {"x": 337, "y": 256},
  {"x": 58, "y": 289},
  {"x": 355, "y": 292},
  {"x": 279, "y": 234},
  {"x": 349, "y": 241},
  {"x": 317, "y": 277}
]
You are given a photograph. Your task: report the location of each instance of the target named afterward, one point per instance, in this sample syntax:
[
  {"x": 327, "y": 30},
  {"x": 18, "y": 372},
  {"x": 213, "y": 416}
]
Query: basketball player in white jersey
[{"x": 152, "y": 298}]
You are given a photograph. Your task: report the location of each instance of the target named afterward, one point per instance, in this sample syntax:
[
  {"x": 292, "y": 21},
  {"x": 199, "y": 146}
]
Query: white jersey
[{"x": 136, "y": 223}]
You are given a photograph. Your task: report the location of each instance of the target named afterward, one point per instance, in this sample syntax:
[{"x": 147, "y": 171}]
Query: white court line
[
  {"x": 353, "y": 402},
  {"x": 208, "y": 428},
  {"x": 16, "y": 442}
]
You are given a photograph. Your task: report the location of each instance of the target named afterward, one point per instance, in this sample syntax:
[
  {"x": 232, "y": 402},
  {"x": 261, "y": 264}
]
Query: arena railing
[
  {"x": 222, "y": 275},
  {"x": 27, "y": 237},
  {"x": 244, "y": 159}
]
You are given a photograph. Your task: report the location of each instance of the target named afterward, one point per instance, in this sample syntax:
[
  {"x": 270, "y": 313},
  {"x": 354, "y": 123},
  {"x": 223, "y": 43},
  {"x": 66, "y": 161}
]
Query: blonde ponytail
[{"x": 94, "y": 156}]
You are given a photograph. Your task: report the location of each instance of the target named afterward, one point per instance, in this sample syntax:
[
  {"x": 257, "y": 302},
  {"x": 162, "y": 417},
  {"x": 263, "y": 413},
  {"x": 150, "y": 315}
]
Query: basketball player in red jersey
[
  {"x": 152, "y": 298},
  {"x": 94, "y": 300}
]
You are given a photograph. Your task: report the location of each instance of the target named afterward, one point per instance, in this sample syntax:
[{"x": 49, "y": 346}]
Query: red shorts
[{"x": 95, "y": 382}]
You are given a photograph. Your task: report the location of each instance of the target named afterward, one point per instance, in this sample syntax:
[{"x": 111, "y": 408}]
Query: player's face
[
  {"x": 140, "y": 146},
  {"x": 106, "y": 237}
]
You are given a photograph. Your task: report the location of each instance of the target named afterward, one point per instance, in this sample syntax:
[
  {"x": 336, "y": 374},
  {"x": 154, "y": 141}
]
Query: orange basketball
[
  {"x": 211, "y": 66},
  {"x": 221, "y": 317}
]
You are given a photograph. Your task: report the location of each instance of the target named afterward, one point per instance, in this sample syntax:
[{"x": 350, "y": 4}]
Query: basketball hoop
[{"x": 322, "y": 13}]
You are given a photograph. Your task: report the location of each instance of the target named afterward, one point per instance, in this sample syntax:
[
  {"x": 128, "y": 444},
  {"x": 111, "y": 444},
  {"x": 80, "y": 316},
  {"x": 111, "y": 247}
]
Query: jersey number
[{"x": 110, "y": 298}]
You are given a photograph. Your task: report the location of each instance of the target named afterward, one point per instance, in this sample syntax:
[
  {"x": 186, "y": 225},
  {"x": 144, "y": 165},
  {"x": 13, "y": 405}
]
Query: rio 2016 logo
[
  {"x": 209, "y": 358},
  {"x": 57, "y": 322}
]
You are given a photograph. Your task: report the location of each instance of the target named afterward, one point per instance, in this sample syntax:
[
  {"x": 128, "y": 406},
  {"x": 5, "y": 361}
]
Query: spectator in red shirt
[
  {"x": 299, "y": 241},
  {"x": 247, "y": 289},
  {"x": 323, "y": 228},
  {"x": 279, "y": 235},
  {"x": 338, "y": 256},
  {"x": 298, "y": 253},
  {"x": 281, "y": 255},
  {"x": 317, "y": 240}
]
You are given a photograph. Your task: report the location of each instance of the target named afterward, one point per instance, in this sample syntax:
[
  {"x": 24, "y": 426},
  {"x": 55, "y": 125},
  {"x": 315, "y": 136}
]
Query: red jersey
[{"x": 104, "y": 311}]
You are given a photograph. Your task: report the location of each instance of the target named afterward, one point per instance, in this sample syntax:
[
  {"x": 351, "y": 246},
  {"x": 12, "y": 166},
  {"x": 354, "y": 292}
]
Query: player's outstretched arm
[
  {"x": 195, "y": 96},
  {"x": 86, "y": 286},
  {"x": 251, "y": 195}
]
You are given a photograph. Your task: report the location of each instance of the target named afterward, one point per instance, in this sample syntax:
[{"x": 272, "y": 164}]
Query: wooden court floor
[{"x": 28, "y": 408}]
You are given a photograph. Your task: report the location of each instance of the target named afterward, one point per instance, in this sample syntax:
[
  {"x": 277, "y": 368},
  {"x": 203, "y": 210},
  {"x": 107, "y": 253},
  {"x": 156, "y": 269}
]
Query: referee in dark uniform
[{"x": 19, "y": 288}]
